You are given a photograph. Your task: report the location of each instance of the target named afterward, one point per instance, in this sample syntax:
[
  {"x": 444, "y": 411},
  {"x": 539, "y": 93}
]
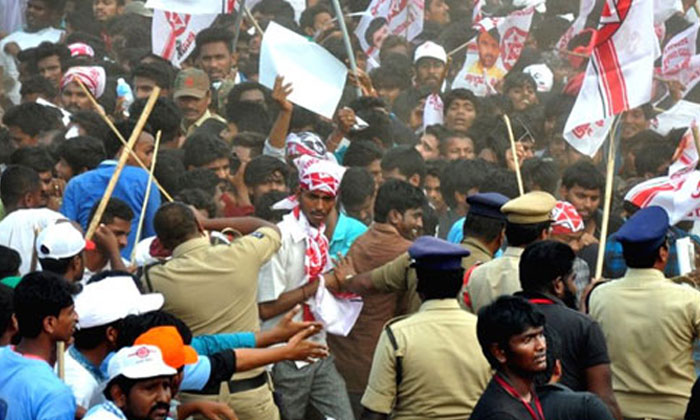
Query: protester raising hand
[
  {"x": 363, "y": 81},
  {"x": 280, "y": 93},
  {"x": 344, "y": 120}
]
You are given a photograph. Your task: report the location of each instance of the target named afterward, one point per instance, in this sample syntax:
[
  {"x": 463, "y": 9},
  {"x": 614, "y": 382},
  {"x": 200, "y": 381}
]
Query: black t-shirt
[
  {"x": 561, "y": 403},
  {"x": 496, "y": 404},
  {"x": 582, "y": 341},
  {"x": 223, "y": 366}
]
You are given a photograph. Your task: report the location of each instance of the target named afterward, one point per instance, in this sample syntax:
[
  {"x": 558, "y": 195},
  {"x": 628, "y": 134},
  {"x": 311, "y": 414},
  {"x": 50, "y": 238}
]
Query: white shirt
[
  {"x": 285, "y": 271},
  {"x": 24, "y": 40},
  {"x": 86, "y": 389},
  {"x": 17, "y": 232}
]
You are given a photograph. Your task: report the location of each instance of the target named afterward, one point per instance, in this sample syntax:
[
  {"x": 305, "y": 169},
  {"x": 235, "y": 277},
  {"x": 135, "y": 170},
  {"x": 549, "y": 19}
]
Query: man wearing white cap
[
  {"x": 101, "y": 306},
  {"x": 138, "y": 387},
  {"x": 429, "y": 61},
  {"x": 292, "y": 277},
  {"x": 59, "y": 248}
]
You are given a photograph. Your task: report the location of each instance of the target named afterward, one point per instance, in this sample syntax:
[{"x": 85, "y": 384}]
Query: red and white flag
[
  {"x": 679, "y": 191},
  {"x": 680, "y": 60},
  {"x": 585, "y": 9},
  {"x": 173, "y": 34},
  {"x": 193, "y": 7},
  {"x": 433, "y": 113},
  {"x": 482, "y": 69},
  {"x": 389, "y": 17},
  {"x": 619, "y": 74}
]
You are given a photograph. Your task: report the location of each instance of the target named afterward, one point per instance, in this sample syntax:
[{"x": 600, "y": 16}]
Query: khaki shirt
[
  {"x": 650, "y": 324},
  {"x": 444, "y": 371},
  {"x": 398, "y": 276},
  {"x": 479, "y": 255},
  {"x": 213, "y": 288},
  {"x": 207, "y": 114},
  {"x": 495, "y": 278}
]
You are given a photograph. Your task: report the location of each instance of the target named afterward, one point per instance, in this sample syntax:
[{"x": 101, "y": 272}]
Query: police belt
[{"x": 236, "y": 386}]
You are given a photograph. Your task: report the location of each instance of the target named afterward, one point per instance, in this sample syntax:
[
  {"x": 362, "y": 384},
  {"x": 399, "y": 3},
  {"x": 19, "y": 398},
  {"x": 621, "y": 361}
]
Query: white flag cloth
[
  {"x": 679, "y": 191},
  {"x": 681, "y": 61},
  {"x": 337, "y": 315},
  {"x": 585, "y": 9},
  {"x": 479, "y": 74},
  {"x": 433, "y": 113},
  {"x": 317, "y": 77},
  {"x": 619, "y": 74},
  {"x": 680, "y": 115},
  {"x": 389, "y": 17},
  {"x": 173, "y": 34},
  {"x": 193, "y": 7}
]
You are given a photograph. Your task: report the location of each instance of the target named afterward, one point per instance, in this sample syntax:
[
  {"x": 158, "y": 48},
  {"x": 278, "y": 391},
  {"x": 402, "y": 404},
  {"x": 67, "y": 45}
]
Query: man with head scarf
[
  {"x": 73, "y": 97},
  {"x": 293, "y": 276}
]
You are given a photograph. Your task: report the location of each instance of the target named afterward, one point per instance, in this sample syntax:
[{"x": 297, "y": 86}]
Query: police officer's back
[
  {"x": 649, "y": 323},
  {"x": 430, "y": 364}
]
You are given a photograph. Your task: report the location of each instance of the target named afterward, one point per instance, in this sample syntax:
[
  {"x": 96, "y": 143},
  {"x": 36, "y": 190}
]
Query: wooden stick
[
  {"x": 151, "y": 177},
  {"x": 575, "y": 54},
  {"x": 252, "y": 19},
  {"x": 696, "y": 137},
  {"x": 514, "y": 150},
  {"x": 61, "y": 359},
  {"x": 116, "y": 132},
  {"x": 458, "y": 49},
  {"x": 608, "y": 199},
  {"x": 122, "y": 161}
]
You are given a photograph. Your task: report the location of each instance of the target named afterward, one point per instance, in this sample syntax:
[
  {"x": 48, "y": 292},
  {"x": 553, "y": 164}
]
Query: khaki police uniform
[
  {"x": 502, "y": 276},
  {"x": 650, "y": 325},
  {"x": 479, "y": 255},
  {"x": 428, "y": 365},
  {"x": 213, "y": 289}
]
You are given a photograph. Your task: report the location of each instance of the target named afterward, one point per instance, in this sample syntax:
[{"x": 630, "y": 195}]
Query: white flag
[
  {"x": 680, "y": 61},
  {"x": 389, "y": 17},
  {"x": 585, "y": 9},
  {"x": 619, "y": 74},
  {"x": 680, "y": 115},
  {"x": 193, "y": 7},
  {"x": 433, "y": 113},
  {"x": 489, "y": 61},
  {"x": 317, "y": 78},
  {"x": 173, "y": 34}
]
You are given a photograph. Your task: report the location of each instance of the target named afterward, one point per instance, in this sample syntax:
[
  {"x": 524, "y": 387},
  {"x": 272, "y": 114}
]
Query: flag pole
[
  {"x": 237, "y": 28},
  {"x": 696, "y": 137},
  {"x": 514, "y": 151},
  {"x": 348, "y": 45},
  {"x": 252, "y": 19},
  {"x": 116, "y": 132},
  {"x": 610, "y": 172},
  {"x": 146, "y": 197}
]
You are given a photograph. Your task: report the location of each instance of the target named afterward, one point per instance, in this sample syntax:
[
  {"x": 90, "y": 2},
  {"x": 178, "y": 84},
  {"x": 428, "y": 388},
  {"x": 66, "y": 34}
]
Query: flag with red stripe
[
  {"x": 619, "y": 73},
  {"x": 193, "y": 7}
]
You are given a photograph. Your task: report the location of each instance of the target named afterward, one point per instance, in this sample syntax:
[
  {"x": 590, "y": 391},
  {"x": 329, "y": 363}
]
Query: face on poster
[{"x": 389, "y": 17}]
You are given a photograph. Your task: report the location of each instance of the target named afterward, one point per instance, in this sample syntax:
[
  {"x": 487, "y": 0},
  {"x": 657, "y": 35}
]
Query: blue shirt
[
  {"x": 456, "y": 233},
  {"x": 346, "y": 231},
  {"x": 30, "y": 390},
  {"x": 86, "y": 189},
  {"x": 214, "y": 343}
]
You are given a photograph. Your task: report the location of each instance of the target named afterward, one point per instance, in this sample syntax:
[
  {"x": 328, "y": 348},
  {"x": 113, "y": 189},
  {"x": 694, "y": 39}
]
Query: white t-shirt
[
  {"x": 17, "y": 232},
  {"x": 86, "y": 388},
  {"x": 24, "y": 40}
]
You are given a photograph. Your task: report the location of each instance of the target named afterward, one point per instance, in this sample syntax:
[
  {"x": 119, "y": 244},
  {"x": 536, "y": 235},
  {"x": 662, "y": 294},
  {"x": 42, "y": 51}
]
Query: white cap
[
  {"x": 60, "y": 240},
  {"x": 139, "y": 362},
  {"x": 543, "y": 76},
  {"x": 111, "y": 299},
  {"x": 432, "y": 50}
]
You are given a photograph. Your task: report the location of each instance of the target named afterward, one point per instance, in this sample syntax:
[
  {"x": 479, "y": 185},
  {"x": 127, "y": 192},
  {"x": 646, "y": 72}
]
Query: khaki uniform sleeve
[
  {"x": 259, "y": 245},
  {"x": 392, "y": 276},
  {"x": 380, "y": 394}
]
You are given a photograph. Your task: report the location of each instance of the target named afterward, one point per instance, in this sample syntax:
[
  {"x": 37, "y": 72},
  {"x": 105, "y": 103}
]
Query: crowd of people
[{"x": 185, "y": 242}]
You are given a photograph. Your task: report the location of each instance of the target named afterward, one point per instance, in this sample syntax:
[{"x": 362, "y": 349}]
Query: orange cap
[{"x": 175, "y": 353}]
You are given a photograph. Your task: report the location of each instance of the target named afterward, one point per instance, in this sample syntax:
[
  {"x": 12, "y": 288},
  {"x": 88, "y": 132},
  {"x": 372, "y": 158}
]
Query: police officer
[
  {"x": 528, "y": 220},
  {"x": 483, "y": 236},
  {"x": 649, "y": 323},
  {"x": 430, "y": 364}
]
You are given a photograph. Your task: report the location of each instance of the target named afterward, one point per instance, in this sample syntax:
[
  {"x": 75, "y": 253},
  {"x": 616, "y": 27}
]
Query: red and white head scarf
[
  {"x": 93, "y": 77},
  {"x": 319, "y": 174},
  {"x": 566, "y": 219},
  {"x": 305, "y": 143},
  {"x": 78, "y": 49}
]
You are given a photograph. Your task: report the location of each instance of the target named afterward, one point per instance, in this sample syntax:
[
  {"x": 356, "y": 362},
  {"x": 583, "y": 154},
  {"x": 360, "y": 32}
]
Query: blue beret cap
[
  {"x": 436, "y": 254},
  {"x": 645, "y": 230},
  {"x": 487, "y": 204}
]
